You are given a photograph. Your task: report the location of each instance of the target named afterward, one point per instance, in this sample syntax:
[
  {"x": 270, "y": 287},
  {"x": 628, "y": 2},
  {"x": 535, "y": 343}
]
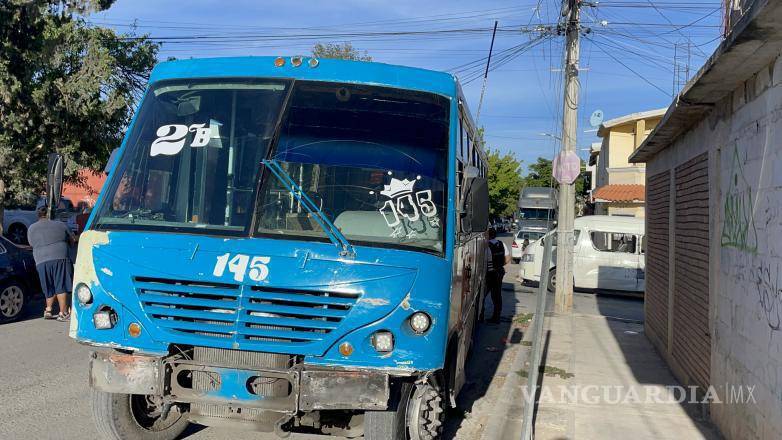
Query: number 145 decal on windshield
[{"x": 239, "y": 265}]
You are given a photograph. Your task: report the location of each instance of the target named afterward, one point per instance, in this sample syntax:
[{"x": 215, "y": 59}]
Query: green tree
[
  {"x": 540, "y": 174},
  {"x": 65, "y": 86},
  {"x": 344, "y": 51},
  {"x": 504, "y": 183}
]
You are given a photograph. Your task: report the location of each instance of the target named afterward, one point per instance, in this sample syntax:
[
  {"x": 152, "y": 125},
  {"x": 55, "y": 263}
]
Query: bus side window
[
  {"x": 459, "y": 183},
  {"x": 469, "y": 147},
  {"x": 461, "y": 138}
]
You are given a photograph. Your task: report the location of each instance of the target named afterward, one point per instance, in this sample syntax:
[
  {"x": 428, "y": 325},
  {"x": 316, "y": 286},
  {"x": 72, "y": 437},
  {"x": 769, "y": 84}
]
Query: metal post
[
  {"x": 537, "y": 341},
  {"x": 567, "y": 193}
]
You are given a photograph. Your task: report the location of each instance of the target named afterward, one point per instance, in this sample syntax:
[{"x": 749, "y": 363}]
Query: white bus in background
[{"x": 609, "y": 255}]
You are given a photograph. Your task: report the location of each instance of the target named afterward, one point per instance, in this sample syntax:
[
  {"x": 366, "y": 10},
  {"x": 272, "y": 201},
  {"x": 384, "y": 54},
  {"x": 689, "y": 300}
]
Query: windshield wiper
[{"x": 331, "y": 230}]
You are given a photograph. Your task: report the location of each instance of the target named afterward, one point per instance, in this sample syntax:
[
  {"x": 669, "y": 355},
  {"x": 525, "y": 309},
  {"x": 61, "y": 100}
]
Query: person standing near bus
[
  {"x": 497, "y": 256},
  {"x": 50, "y": 241}
]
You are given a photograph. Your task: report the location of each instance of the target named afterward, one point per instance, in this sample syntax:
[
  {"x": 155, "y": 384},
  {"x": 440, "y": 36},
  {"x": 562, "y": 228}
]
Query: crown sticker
[{"x": 398, "y": 187}]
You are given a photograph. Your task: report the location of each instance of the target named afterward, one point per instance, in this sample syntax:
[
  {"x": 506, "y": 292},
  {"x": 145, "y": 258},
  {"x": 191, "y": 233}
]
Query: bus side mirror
[
  {"x": 475, "y": 216},
  {"x": 112, "y": 159},
  {"x": 54, "y": 181}
]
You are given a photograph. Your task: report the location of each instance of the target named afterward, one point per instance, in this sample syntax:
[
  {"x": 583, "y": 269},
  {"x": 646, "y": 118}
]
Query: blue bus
[{"x": 285, "y": 244}]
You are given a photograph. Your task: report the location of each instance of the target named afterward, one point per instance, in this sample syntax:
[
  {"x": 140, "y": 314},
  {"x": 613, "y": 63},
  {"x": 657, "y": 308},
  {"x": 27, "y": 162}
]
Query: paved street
[{"x": 46, "y": 396}]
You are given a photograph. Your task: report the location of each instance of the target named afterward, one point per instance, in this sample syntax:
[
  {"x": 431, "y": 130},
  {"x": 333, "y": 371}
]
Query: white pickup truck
[{"x": 17, "y": 221}]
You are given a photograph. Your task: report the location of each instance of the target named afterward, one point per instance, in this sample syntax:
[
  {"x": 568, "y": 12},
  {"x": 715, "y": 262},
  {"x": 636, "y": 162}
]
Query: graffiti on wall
[
  {"x": 769, "y": 294},
  {"x": 738, "y": 227}
]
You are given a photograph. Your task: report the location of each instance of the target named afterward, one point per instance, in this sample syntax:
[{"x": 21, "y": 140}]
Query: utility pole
[{"x": 563, "y": 295}]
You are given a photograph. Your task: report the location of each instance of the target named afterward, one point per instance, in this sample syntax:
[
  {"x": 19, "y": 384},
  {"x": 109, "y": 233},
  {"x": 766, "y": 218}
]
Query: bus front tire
[
  {"x": 417, "y": 414},
  {"x": 132, "y": 417}
]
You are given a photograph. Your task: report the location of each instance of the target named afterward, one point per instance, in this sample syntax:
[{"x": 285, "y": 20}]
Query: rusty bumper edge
[
  {"x": 114, "y": 372},
  {"x": 319, "y": 388},
  {"x": 340, "y": 389}
]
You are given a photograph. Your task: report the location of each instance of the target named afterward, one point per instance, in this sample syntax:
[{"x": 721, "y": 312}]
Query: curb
[{"x": 505, "y": 422}]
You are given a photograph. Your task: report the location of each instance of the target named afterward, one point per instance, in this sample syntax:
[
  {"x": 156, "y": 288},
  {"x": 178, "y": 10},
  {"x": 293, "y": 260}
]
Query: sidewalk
[{"x": 601, "y": 378}]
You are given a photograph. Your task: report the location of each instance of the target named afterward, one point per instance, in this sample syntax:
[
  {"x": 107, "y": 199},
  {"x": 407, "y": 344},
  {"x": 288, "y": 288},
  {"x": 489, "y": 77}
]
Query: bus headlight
[
  {"x": 420, "y": 322},
  {"x": 105, "y": 318},
  {"x": 528, "y": 258},
  {"x": 84, "y": 294},
  {"x": 383, "y": 341}
]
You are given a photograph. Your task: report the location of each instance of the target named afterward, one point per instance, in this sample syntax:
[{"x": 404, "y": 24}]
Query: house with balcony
[{"x": 618, "y": 184}]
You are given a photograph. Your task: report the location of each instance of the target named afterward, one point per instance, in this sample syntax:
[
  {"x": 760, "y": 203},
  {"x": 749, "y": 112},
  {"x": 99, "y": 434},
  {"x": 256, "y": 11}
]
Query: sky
[{"x": 633, "y": 52}]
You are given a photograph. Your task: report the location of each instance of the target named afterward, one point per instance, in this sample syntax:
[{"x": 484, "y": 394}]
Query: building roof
[
  {"x": 620, "y": 193},
  {"x": 629, "y": 118},
  {"x": 753, "y": 43}
]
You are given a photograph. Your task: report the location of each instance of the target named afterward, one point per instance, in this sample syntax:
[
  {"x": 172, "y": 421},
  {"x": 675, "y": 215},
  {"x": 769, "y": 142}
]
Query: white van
[{"x": 609, "y": 254}]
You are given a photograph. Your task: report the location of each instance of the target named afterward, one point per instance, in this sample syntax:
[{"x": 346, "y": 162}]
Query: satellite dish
[{"x": 597, "y": 118}]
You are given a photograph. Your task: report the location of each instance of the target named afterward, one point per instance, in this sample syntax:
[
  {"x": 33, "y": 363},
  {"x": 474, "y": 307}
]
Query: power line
[{"x": 629, "y": 68}]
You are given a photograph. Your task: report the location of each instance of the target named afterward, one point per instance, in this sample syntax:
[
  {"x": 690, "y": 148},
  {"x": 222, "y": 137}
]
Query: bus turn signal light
[
  {"x": 134, "y": 330},
  {"x": 345, "y": 349}
]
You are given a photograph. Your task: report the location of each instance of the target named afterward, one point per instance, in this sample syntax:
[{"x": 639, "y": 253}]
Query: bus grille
[{"x": 243, "y": 314}]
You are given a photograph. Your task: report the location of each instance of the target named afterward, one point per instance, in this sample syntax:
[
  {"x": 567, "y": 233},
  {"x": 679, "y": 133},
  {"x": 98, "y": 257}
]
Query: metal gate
[
  {"x": 691, "y": 346},
  {"x": 658, "y": 200}
]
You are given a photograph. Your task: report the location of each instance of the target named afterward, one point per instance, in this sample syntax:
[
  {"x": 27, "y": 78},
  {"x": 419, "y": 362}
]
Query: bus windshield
[{"x": 372, "y": 159}]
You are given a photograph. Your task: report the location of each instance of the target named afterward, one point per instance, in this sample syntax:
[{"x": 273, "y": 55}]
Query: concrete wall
[
  {"x": 602, "y": 168},
  {"x": 626, "y": 176},
  {"x": 743, "y": 139},
  {"x": 626, "y": 209},
  {"x": 622, "y": 146}
]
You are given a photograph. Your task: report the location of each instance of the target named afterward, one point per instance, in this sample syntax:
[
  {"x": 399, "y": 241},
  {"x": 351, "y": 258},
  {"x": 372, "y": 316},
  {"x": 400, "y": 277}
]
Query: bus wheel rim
[{"x": 425, "y": 413}]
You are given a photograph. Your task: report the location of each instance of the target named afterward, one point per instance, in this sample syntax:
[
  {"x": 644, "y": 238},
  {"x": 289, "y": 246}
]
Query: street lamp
[{"x": 551, "y": 136}]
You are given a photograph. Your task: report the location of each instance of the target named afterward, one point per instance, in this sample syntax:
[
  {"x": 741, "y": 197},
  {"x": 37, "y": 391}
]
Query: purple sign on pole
[{"x": 567, "y": 167}]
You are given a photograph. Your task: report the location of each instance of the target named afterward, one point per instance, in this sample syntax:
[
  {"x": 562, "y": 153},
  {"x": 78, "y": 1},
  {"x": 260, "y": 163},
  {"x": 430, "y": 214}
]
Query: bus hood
[{"x": 254, "y": 294}]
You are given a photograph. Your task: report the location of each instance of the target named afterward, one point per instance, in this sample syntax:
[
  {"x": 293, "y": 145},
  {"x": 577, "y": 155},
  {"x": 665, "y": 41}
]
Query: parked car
[
  {"x": 18, "y": 280},
  {"x": 517, "y": 248},
  {"x": 17, "y": 220},
  {"x": 609, "y": 254}
]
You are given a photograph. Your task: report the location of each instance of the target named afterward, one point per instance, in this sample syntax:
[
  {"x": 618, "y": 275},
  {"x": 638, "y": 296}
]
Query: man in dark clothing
[
  {"x": 50, "y": 241},
  {"x": 497, "y": 256}
]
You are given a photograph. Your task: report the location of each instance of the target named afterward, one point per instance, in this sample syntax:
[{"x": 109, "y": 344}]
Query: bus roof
[{"x": 327, "y": 70}]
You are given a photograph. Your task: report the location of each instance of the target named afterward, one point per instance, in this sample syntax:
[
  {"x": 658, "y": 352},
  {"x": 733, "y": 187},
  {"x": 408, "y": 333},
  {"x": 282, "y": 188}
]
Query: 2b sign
[
  {"x": 171, "y": 138},
  {"x": 239, "y": 264}
]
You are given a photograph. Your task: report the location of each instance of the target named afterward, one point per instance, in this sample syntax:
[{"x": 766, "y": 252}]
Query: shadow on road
[{"x": 490, "y": 343}]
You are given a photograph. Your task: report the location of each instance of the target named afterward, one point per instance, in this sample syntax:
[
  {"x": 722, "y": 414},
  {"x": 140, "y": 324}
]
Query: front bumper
[
  {"x": 299, "y": 387},
  {"x": 528, "y": 272}
]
